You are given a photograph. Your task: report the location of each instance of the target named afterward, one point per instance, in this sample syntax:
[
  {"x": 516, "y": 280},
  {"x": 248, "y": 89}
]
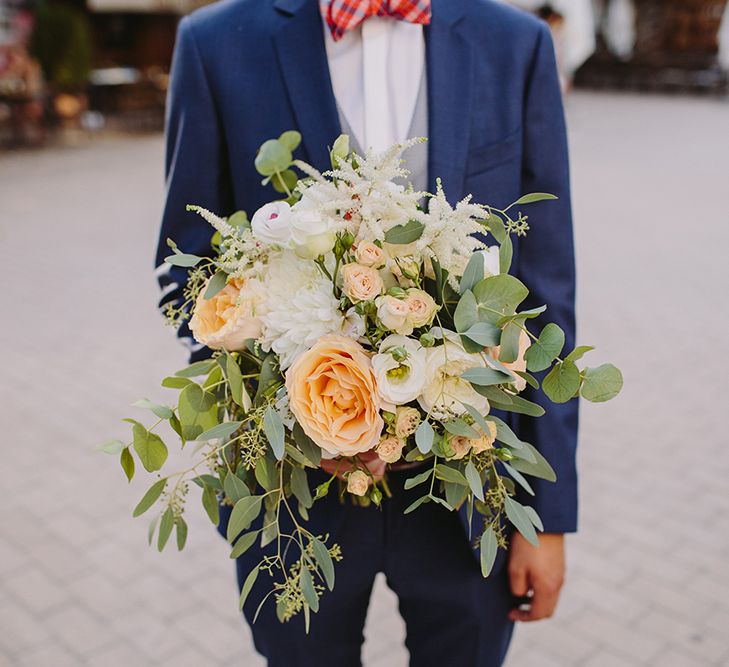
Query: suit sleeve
[
  {"x": 196, "y": 172},
  {"x": 546, "y": 264}
]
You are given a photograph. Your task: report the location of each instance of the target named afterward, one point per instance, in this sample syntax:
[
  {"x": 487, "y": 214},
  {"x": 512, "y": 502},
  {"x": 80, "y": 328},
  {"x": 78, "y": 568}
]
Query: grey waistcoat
[{"x": 416, "y": 158}]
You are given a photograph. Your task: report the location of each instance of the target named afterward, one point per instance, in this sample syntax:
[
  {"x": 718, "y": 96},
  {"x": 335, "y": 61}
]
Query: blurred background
[{"x": 82, "y": 94}]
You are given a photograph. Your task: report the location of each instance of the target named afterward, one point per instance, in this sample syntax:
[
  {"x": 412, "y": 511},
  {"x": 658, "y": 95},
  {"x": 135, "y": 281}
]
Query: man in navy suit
[{"x": 479, "y": 79}]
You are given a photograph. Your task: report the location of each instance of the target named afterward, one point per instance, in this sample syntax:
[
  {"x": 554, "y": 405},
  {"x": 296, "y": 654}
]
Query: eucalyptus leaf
[
  {"x": 243, "y": 514},
  {"x": 459, "y": 427},
  {"x": 518, "y": 478},
  {"x": 602, "y": 383},
  {"x": 150, "y": 449},
  {"x": 424, "y": 436},
  {"x": 308, "y": 447},
  {"x": 562, "y": 382},
  {"x": 473, "y": 273},
  {"x": 534, "y": 197},
  {"x": 484, "y": 334},
  {"x": 498, "y": 296},
  {"x": 273, "y": 155},
  {"x": 466, "y": 313},
  {"x": 111, "y": 446},
  {"x": 181, "y": 532},
  {"x": 210, "y": 504},
  {"x": 413, "y": 506},
  {"x": 243, "y": 543},
  {"x": 450, "y": 474},
  {"x": 506, "y": 252},
  {"x": 516, "y": 514},
  {"x": 235, "y": 381},
  {"x": 474, "y": 480},
  {"x": 291, "y": 139},
  {"x": 307, "y": 589},
  {"x": 300, "y": 487},
  {"x": 184, "y": 260},
  {"x": 235, "y": 488},
  {"x": 165, "y": 528},
  {"x": 197, "y": 410},
  {"x": 274, "y": 430},
  {"x": 484, "y": 377},
  {"x": 545, "y": 349},
  {"x": 196, "y": 369},
  {"x": 216, "y": 284},
  {"x": 418, "y": 479},
  {"x": 162, "y": 411},
  {"x": 150, "y": 497},
  {"x": 489, "y": 549},
  {"x": 404, "y": 234},
  {"x": 536, "y": 465},
  {"x": 579, "y": 352},
  {"x": 248, "y": 586},
  {"x": 127, "y": 463},
  {"x": 324, "y": 561},
  {"x": 220, "y": 431}
]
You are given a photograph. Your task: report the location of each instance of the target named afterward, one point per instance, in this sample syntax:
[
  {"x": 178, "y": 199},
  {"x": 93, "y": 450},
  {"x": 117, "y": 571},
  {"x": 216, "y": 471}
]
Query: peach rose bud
[
  {"x": 369, "y": 254},
  {"x": 361, "y": 283},
  {"x": 358, "y": 482},
  {"x": 407, "y": 421},
  {"x": 390, "y": 449},
  {"x": 422, "y": 307}
]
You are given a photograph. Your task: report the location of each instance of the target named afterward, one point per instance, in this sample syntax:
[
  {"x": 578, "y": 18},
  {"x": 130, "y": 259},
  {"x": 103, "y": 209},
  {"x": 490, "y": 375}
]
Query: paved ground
[{"x": 648, "y": 579}]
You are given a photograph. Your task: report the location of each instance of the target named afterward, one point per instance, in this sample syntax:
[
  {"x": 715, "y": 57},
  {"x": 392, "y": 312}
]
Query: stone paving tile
[{"x": 648, "y": 579}]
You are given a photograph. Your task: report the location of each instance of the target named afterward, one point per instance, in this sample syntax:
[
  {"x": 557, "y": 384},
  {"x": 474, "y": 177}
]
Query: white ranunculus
[
  {"x": 312, "y": 233},
  {"x": 272, "y": 223},
  {"x": 490, "y": 261},
  {"x": 399, "y": 381},
  {"x": 445, "y": 392}
]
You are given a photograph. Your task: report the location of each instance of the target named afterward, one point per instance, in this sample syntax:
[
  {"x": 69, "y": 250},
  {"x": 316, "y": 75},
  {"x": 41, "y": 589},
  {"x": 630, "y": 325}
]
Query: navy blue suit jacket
[{"x": 246, "y": 70}]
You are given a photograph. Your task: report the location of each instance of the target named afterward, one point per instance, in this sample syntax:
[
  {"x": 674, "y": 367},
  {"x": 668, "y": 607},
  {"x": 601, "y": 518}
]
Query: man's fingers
[
  {"x": 542, "y": 604},
  {"x": 518, "y": 581}
]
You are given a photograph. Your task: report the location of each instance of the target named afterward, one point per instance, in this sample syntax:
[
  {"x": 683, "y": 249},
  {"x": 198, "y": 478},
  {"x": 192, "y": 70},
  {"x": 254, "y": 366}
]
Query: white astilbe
[
  {"x": 366, "y": 193},
  {"x": 243, "y": 256},
  {"x": 448, "y": 233},
  {"x": 300, "y": 307}
]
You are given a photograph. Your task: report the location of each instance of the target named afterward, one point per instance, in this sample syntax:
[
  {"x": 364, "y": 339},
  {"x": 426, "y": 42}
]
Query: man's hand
[
  {"x": 341, "y": 466},
  {"x": 537, "y": 572}
]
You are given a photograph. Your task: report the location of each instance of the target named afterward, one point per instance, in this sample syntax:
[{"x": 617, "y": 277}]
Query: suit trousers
[{"x": 453, "y": 615}]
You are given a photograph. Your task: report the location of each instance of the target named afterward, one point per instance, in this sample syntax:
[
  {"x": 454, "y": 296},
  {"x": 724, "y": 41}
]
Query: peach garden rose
[
  {"x": 333, "y": 395},
  {"x": 228, "y": 319}
]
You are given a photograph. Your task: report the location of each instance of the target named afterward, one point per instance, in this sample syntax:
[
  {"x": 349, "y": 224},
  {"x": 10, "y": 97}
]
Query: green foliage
[
  {"x": 197, "y": 410},
  {"x": 516, "y": 513},
  {"x": 601, "y": 383},
  {"x": 216, "y": 284},
  {"x": 404, "y": 234},
  {"x": 127, "y": 463},
  {"x": 534, "y": 197},
  {"x": 243, "y": 514},
  {"x": 274, "y": 429},
  {"x": 473, "y": 273},
  {"x": 562, "y": 382},
  {"x": 150, "y": 497},
  {"x": 424, "y": 436},
  {"x": 545, "y": 349},
  {"x": 248, "y": 586},
  {"x": 273, "y": 156},
  {"x": 150, "y": 449},
  {"x": 489, "y": 547},
  {"x": 498, "y": 296}
]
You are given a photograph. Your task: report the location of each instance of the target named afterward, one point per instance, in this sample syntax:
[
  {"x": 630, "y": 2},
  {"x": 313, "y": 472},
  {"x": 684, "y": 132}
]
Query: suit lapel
[
  {"x": 303, "y": 61},
  {"x": 449, "y": 61}
]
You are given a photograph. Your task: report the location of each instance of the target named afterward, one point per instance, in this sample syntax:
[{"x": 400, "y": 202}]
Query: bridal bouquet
[{"x": 353, "y": 328}]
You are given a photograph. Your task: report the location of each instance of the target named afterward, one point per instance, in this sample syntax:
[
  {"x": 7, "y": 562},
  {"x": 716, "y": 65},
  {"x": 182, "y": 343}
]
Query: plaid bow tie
[{"x": 343, "y": 15}]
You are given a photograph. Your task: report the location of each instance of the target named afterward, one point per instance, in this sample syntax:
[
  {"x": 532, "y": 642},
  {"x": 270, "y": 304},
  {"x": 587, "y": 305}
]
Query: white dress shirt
[{"x": 376, "y": 70}]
